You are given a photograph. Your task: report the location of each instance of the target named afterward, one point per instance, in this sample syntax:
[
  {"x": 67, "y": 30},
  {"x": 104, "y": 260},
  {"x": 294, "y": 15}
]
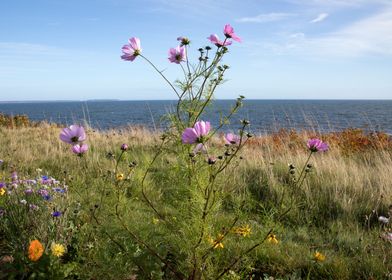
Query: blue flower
[{"x": 56, "y": 214}]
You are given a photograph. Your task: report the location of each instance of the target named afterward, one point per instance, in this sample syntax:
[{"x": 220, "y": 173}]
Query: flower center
[{"x": 75, "y": 139}]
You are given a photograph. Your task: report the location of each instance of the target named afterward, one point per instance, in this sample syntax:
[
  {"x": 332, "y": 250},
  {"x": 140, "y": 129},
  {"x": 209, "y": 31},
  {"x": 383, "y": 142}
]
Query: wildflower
[
  {"x": 38, "y": 170},
  {"x": 74, "y": 134},
  {"x": 177, "y": 55},
  {"x": 200, "y": 148},
  {"x": 124, "y": 147},
  {"x": 23, "y": 201},
  {"x": 28, "y": 191},
  {"x": 14, "y": 176},
  {"x": 33, "y": 207},
  {"x": 2, "y": 191},
  {"x": 387, "y": 236},
  {"x": 43, "y": 192},
  {"x": 155, "y": 221},
  {"x": 383, "y": 219},
  {"x": 56, "y": 214},
  {"x": 80, "y": 149},
  {"x": 132, "y": 50},
  {"x": 211, "y": 160},
  {"x": 1, "y": 162},
  {"x": 244, "y": 231},
  {"x": 316, "y": 145},
  {"x": 120, "y": 177},
  {"x": 318, "y": 257},
  {"x": 57, "y": 249},
  {"x": 215, "y": 40},
  {"x": 183, "y": 40},
  {"x": 272, "y": 239},
  {"x": 232, "y": 139},
  {"x": 217, "y": 242},
  {"x": 229, "y": 33},
  {"x": 196, "y": 133},
  {"x": 35, "y": 250}
]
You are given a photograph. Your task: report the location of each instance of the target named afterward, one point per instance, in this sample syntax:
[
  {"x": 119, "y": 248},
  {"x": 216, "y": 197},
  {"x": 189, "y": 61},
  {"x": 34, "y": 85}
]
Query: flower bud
[
  {"x": 124, "y": 147},
  {"x": 211, "y": 160},
  {"x": 245, "y": 122}
]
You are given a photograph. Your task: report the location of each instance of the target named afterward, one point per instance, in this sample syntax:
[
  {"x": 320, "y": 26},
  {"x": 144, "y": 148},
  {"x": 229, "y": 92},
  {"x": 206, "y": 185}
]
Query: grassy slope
[{"x": 348, "y": 188}]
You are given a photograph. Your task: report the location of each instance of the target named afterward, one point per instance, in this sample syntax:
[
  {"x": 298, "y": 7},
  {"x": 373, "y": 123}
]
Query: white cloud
[
  {"x": 319, "y": 18},
  {"x": 266, "y": 17},
  {"x": 369, "y": 36}
]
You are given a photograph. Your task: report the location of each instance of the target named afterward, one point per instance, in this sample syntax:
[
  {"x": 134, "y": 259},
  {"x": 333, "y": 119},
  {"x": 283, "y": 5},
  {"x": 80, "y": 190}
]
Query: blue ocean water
[{"x": 265, "y": 115}]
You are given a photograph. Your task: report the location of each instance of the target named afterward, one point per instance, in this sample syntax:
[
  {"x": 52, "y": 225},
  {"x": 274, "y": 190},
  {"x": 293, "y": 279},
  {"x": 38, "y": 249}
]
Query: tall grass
[{"x": 334, "y": 212}]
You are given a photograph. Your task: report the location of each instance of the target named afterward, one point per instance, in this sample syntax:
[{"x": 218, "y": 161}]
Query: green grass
[{"x": 334, "y": 212}]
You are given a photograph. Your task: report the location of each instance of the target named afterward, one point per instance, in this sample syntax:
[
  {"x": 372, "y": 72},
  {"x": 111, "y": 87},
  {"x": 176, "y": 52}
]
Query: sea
[{"x": 265, "y": 116}]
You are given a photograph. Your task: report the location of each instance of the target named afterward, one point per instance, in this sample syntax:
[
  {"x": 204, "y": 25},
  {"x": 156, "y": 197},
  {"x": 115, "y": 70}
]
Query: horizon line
[{"x": 218, "y": 99}]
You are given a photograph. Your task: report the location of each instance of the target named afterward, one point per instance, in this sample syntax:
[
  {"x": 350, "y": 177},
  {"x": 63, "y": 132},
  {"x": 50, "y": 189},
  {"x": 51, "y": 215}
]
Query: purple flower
[
  {"x": 200, "y": 148},
  {"x": 196, "y": 133},
  {"x": 132, "y": 50},
  {"x": 215, "y": 40},
  {"x": 124, "y": 147},
  {"x": 56, "y": 214},
  {"x": 28, "y": 191},
  {"x": 33, "y": 207},
  {"x": 229, "y": 33},
  {"x": 80, "y": 149},
  {"x": 177, "y": 55},
  {"x": 1, "y": 162},
  {"x": 232, "y": 139},
  {"x": 316, "y": 145},
  {"x": 74, "y": 134},
  {"x": 14, "y": 176},
  {"x": 43, "y": 192}
]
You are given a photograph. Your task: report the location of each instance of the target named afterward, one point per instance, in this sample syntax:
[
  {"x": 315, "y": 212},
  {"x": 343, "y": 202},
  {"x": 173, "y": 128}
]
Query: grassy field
[{"x": 112, "y": 233}]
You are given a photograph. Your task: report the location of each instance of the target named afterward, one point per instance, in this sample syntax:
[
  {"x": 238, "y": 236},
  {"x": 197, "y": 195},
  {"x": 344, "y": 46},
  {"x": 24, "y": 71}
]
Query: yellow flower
[
  {"x": 57, "y": 249},
  {"x": 318, "y": 257},
  {"x": 155, "y": 221},
  {"x": 272, "y": 239},
  {"x": 2, "y": 191},
  {"x": 35, "y": 250},
  {"x": 243, "y": 231},
  {"x": 120, "y": 177},
  {"x": 217, "y": 242}
]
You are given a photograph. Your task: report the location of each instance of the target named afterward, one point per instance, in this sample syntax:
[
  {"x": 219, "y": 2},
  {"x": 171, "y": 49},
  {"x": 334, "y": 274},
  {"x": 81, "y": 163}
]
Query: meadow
[
  {"x": 194, "y": 201},
  {"x": 335, "y": 211}
]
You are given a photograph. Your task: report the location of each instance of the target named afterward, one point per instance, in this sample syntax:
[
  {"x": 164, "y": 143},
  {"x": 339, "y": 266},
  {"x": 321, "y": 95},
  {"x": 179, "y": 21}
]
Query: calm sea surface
[{"x": 264, "y": 115}]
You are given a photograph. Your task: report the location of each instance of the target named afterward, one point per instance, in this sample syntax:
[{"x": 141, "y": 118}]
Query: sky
[{"x": 291, "y": 49}]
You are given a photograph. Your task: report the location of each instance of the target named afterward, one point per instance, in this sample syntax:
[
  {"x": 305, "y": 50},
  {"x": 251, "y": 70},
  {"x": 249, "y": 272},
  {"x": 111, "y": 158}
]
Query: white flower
[{"x": 383, "y": 219}]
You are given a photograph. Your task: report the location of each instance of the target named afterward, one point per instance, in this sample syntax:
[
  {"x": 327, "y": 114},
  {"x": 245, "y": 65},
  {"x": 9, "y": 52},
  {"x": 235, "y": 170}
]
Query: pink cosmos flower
[
  {"x": 316, "y": 145},
  {"x": 132, "y": 50},
  {"x": 232, "y": 139},
  {"x": 229, "y": 33},
  {"x": 196, "y": 133},
  {"x": 73, "y": 135},
  {"x": 215, "y": 40},
  {"x": 177, "y": 55},
  {"x": 80, "y": 149},
  {"x": 200, "y": 148}
]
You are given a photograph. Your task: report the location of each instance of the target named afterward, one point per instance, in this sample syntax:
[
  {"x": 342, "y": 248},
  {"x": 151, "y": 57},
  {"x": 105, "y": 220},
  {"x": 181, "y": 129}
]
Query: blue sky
[{"x": 70, "y": 49}]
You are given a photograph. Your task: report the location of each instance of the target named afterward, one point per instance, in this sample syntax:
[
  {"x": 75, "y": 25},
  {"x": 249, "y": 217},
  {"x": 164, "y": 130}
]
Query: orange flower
[{"x": 35, "y": 250}]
